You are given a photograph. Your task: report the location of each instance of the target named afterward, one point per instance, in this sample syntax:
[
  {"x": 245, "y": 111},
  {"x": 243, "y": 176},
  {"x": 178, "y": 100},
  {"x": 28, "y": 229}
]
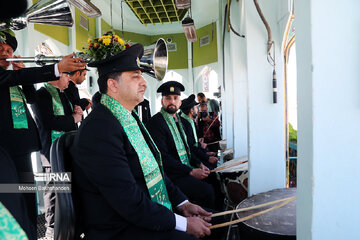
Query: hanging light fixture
[
  {"x": 86, "y": 7},
  {"x": 182, "y": 4},
  {"x": 189, "y": 29}
]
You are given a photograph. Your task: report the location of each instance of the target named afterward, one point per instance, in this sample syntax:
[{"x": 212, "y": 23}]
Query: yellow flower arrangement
[{"x": 107, "y": 45}]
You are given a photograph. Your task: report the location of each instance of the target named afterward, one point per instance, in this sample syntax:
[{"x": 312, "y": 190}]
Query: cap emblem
[{"x": 172, "y": 89}]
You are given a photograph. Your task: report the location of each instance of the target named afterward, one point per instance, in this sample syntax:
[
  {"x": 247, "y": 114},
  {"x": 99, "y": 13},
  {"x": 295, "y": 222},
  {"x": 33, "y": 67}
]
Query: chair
[{"x": 61, "y": 161}]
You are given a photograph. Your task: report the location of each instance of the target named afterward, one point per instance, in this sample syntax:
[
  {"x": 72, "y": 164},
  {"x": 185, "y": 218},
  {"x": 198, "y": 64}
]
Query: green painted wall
[
  {"x": 105, "y": 27},
  {"x": 179, "y": 58},
  {"x": 208, "y": 53},
  {"x": 82, "y": 34},
  {"x": 58, "y": 33}
]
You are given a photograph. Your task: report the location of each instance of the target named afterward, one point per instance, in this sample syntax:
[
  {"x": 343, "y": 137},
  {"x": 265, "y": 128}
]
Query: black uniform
[
  {"x": 19, "y": 143},
  {"x": 196, "y": 150},
  {"x": 47, "y": 121},
  {"x": 72, "y": 92},
  {"x": 113, "y": 194},
  {"x": 145, "y": 110},
  {"x": 14, "y": 202},
  {"x": 197, "y": 191},
  {"x": 204, "y": 158}
]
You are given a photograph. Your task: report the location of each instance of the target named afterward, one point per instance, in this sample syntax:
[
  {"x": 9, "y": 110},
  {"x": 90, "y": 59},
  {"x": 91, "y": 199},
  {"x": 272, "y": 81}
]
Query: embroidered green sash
[
  {"x": 18, "y": 112},
  {"x": 57, "y": 108},
  {"x": 151, "y": 167},
  {"x": 191, "y": 121},
  {"x": 9, "y": 227},
  {"x": 181, "y": 147}
]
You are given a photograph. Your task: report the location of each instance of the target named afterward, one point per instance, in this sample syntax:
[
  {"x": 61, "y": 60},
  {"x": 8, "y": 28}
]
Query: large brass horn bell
[
  {"x": 53, "y": 12},
  {"x": 155, "y": 59}
]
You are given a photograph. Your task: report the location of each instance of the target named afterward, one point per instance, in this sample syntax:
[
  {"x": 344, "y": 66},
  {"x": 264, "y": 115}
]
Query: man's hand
[
  {"x": 192, "y": 210},
  {"x": 198, "y": 173},
  {"x": 70, "y": 64},
  {"x": 197, "y": 227},
  {"x": 203, "y": 145},
  {"x": 205, "y": 168},
  {"x": 89, "y": 105},
  {"x": 17, "y": 65},
  {"x": 213, "y": 160},
  {"x": 77, "y": 115}
]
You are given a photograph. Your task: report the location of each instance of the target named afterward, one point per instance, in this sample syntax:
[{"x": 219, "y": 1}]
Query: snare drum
[{"x": 234, "y": 179}]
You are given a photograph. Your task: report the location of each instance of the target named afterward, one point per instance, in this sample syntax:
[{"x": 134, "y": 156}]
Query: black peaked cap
[
  {"x": 11, "y": 41},
  {"x": 126, "y": 60},
  {"x": 171, "y": 88},
  {"x": 188, "y": 103}
]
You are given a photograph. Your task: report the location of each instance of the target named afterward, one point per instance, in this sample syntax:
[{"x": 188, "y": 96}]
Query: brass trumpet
[
  {"x": 154, "y": 61},
  {"x": 41, "y": 59}
]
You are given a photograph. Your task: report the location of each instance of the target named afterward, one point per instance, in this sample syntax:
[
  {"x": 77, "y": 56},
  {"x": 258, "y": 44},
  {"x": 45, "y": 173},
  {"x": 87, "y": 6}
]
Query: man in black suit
[
  {"x": 123, "y": 191},
  {"x": 18, "y": 132},
  {"x": 72, "y": 92},
  {"x": 51, "y": 124},
  {"x": 188, "y": 111},
  {"x": 180, "y": 164},
  {"x": 54, "y": 115}
]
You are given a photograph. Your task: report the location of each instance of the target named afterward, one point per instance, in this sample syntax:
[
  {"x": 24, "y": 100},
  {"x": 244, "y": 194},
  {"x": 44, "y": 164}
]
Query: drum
[
  {"x": 233, "y": 176},
  {"x": 279, "y": 224}
]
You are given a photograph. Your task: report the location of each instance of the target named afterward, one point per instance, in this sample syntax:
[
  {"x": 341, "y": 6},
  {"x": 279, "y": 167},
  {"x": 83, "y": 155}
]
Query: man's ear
[{"x": 111, "y": 84}]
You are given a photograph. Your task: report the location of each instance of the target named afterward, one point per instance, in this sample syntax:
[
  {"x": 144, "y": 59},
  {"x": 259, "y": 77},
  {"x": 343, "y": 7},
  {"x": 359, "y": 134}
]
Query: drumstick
[
  {"x": 253, "y": 215},
  {"x": 211, "y": 125},
  {"x": 213, "y": 142},
  {"x": 253, "y": 207},
  {"x": 228, "y": 166}
]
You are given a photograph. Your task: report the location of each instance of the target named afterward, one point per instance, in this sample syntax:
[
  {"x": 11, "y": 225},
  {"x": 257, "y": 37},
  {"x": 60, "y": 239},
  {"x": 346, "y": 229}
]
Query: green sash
[
  {"x": 18, "y": 112},
  {"x": 181, "y": 147},
  {"x": 191, "y": 121},
  {"x": 57, "y": 108},
  {"x": 9, "y": 227},
  {"x": 151, "y": 167}
]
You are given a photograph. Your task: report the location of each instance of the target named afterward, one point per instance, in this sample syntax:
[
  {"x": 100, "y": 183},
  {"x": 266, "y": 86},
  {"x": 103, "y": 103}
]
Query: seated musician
[
  {"x": 123, "y": 191},
  {"x": 208, "y": 127},
  {"x": 188, "y": 113},
  {"x": 180, "y": 164}
]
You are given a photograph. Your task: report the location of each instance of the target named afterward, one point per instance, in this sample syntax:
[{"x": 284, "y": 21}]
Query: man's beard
[{"x": 171, "y": 110}]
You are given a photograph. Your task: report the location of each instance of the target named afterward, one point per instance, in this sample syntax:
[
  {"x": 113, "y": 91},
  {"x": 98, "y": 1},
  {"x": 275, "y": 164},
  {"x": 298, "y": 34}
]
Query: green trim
[
  {"x": 18, "y": 109},
  {"x": 208, "y": 53},
  {"x": 180, "y": 142},
  {"x": 151, "y": 164},
  {"x": 82, "y": 35}
]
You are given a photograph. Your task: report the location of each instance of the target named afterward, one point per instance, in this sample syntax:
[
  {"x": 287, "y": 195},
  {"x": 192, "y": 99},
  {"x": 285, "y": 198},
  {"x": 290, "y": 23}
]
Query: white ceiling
[{"x": 203, "y": 11}]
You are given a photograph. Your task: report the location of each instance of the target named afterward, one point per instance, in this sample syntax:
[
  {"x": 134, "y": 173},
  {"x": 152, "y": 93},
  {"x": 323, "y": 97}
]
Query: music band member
[
  {"x": 18, "y": 132},
  {"x": 124, "y": 192},
  {"x": 180, "y": 165}
]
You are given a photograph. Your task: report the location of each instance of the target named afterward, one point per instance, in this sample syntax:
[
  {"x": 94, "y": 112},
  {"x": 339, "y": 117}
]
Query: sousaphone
[{"x": 53, "y": 12}]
